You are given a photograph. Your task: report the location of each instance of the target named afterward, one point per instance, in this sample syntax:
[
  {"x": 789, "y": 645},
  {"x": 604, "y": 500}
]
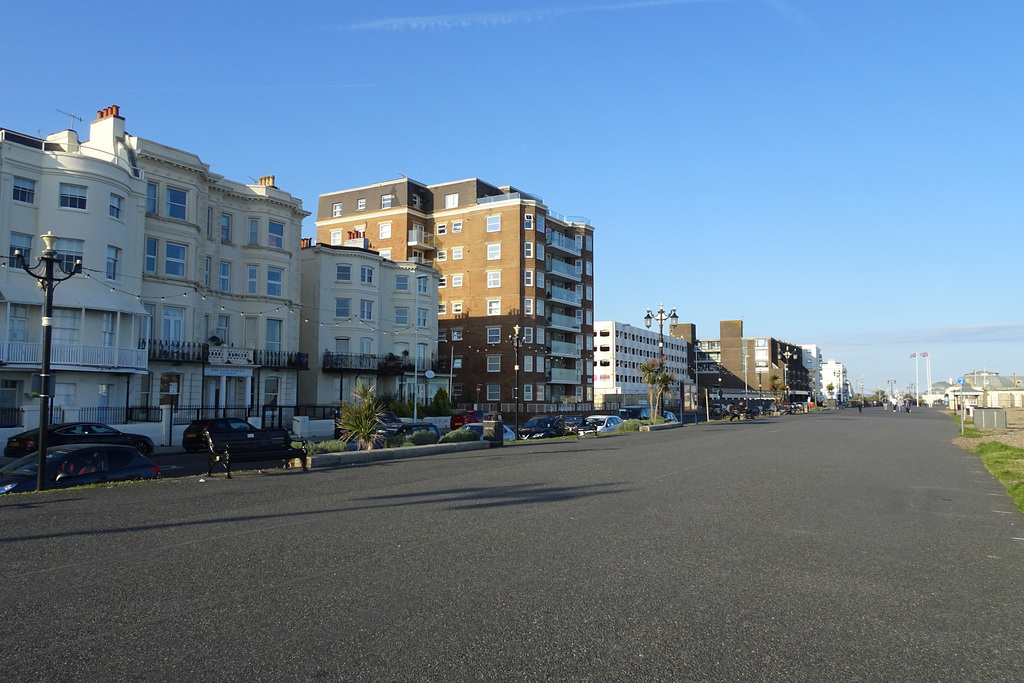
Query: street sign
[{"x": 960, "y": 380}]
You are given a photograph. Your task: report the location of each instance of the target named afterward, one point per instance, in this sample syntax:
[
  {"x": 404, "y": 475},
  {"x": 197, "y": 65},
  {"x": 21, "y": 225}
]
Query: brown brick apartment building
[
  {"x": 505, "y": 259},
  {"x": 742, "y": 367}
]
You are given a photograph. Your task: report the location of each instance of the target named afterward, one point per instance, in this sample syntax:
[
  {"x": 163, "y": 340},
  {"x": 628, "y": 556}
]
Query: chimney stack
[
  {"x": 112, "y": 110},
  {"x": 268, "y": 181}
]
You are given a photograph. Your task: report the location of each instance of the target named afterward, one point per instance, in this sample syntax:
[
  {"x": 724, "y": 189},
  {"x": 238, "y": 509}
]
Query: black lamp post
[
  {"x": 661, "y": 316},
  {"x": 516, "y": 339},
  {"x": 44, "y": 272}
]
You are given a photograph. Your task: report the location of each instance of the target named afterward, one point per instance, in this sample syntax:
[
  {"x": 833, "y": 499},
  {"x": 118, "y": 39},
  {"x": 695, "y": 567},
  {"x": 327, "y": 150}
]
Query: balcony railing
[
  {"x": 566, "y": 270},
  {"x": 564, "y": 376},
  {"x": 565, "y": 296},
  {"x": 560, "y": 348},
  {"x": 560, "y": 241},
  {"x": 229, "y": 355},
  {"x": 387, "y": 363},
  {"x": 291, "y": 360},
  {"x": 176, "y": 351},
  {"x": 565, "y": 322},
  {"x": 79, "y": 355},
  {"x": 420, "y": 238}
]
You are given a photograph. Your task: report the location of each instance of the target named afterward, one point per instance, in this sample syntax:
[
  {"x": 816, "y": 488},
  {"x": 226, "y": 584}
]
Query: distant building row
[{"x": 200, "y": 291}]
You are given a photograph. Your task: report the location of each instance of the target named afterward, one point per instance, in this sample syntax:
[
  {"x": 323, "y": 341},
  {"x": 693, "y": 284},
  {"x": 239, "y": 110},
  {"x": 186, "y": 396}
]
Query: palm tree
[
  {"x": 775, "y": 386},
  {"x": 657, "y": 379},
  {"x": 361, "y": 418},
  {"x": 649, "y": 371}
]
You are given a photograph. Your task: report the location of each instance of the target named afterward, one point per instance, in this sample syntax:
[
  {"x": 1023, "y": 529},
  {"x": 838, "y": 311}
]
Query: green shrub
[
  {"x": 460, "y": 435},
  {"x": 394, "y": 442},
  {"x": 631, "y": 425},
  {"x": 423, "y": 438}
]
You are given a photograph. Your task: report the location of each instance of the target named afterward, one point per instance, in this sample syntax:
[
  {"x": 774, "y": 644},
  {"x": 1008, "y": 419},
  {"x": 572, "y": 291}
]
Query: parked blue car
[{"x": 78, "y": 465}]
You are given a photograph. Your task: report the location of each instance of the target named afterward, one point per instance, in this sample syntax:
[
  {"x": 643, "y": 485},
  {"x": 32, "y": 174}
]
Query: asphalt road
[{"x": 826, "y": 547}]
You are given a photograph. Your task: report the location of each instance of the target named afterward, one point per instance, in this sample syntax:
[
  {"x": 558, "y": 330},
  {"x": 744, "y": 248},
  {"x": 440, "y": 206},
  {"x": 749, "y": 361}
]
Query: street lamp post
[
  {"x": 661, "y": 317},
  {"x": 44, "y": 272},
  {"x": 516, "y": 339},
  {"x": 415, "y": 346},
  {"x": 787, "y": 354}
]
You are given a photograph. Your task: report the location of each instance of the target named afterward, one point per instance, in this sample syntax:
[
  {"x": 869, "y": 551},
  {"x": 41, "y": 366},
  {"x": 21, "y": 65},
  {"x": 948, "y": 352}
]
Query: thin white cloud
[
  {"x": 791, "y": 14},
  {"x": 980, "y": 334},
  {"x": 457, "y": 21}
]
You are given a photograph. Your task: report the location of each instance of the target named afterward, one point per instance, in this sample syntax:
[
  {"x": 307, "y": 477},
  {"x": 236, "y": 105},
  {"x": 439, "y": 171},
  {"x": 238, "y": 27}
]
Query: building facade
[
  {"x": 367, "y": 319},
  {"x": 91, "y": 196},
  {"x": 734, "y": 367},
  {"x": 505, "y": 261},
  {"x": 812, "y": 363},
  {"x": 190, "y": 285},
  {"x": 833, "y": 374},
  {"x": 620, "y": 350}
]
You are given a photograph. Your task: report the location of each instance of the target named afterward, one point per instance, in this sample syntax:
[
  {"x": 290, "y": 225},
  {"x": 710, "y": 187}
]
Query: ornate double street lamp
[
  {"x": 516, "y": 339},
  {"x": 661, "y": 316},
  {"x": 44, "y": 272}
]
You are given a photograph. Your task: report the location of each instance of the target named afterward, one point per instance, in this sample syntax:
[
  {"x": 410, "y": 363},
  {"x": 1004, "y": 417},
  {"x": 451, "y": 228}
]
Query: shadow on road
[{"x": 495, "y": 496}]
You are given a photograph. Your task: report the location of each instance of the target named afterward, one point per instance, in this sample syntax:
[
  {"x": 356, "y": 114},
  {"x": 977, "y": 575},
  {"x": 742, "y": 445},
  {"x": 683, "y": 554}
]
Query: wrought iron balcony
[
  {"x": 290, "y": 360},
  {"x": 176, "y": 351}
]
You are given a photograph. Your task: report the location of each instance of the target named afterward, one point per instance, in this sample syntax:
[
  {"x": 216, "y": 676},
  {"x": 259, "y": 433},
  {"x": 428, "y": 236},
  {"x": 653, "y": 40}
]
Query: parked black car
[
  {"x": 386, "y": 431},
  {"x": 78, "y": 465},
  {"x": 192, "y": 439},
  {"x": 75, "y": 432},
  {"x": 543, "y": 427}
]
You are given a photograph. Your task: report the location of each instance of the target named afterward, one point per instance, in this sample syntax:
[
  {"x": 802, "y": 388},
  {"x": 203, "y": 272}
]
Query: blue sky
[{"x": 840, "y": 172}]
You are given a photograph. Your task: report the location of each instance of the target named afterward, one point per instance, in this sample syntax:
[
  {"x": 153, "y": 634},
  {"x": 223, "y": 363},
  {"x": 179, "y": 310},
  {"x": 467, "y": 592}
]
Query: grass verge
[{"x": 1007, "y": 464}]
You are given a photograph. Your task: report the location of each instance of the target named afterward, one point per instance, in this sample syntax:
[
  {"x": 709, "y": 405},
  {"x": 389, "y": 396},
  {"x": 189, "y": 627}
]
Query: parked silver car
[{"x": 600, "y": 423}]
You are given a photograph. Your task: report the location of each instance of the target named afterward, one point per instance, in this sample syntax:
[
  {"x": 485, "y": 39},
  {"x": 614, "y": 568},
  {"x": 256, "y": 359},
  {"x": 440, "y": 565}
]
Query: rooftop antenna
[{"x": 73, "y": 117}]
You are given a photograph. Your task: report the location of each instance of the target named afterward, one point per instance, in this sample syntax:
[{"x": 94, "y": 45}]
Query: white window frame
[
  {"x": 336, "y": 209},
  {"x": 493, "y": 279},
  {"x": 252, "y": 279},
  {"x": 494, "y": 251},
  {"x": 494, "y": 307},
  {"x": 441, "y": 229},
  {"x": 494, "y": 223},
  {"x": 176, "y": 207},
  {"x": 183, "y": 260},
  {"x": 384, "y": 230},
  {"x": 457, "y": 280},
  {"x": 456, "y": 253},
  {"x": 275, "y": 281},
  {"x": 116, "y": 206}
]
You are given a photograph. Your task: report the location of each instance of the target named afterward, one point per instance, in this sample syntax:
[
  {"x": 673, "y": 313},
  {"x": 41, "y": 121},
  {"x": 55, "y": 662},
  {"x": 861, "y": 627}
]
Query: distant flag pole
[
  {"x": 928, "y": 369},
  {"x": 917, "y": 378}
]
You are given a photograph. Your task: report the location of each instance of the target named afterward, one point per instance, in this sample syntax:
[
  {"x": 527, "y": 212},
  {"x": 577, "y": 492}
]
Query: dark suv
[{"x": 543, "y": 427}]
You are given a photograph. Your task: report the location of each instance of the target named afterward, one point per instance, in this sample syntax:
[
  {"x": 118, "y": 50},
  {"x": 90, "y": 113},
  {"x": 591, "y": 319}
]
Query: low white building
[
  {"x": 367, "y": 319},
  {"x": 619, "y": 351},
  {"x": 833, "y": 372}
]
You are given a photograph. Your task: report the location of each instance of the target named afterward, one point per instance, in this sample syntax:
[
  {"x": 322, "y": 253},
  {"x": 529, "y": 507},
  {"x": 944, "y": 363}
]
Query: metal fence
[{"x": 10, "y": 416}]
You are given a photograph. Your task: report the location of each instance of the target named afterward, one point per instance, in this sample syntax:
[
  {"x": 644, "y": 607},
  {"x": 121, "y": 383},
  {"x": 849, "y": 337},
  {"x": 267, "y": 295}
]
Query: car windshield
[
  {"x": 29, "y": 464},
  {"x": 540, "y": 422}
]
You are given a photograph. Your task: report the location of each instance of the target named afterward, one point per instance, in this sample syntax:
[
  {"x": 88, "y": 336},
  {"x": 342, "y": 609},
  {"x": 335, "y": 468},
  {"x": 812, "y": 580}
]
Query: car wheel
[{"x": 143, "y": 447}]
